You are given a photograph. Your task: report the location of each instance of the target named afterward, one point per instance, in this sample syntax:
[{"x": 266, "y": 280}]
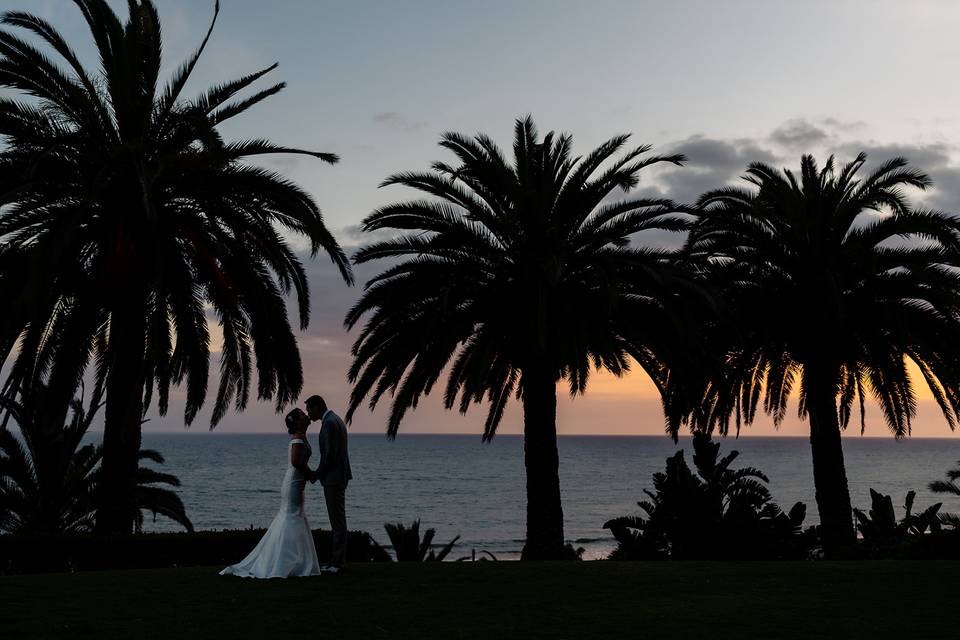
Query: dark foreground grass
[{"x": 490, "y": 600}]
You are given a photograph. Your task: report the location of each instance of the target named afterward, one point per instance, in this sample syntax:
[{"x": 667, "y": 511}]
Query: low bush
[
  {"x": 408, "y": 546},
  {"x": 84, "y": 552},
  {"x": 880, "y": 525},
  {"x": 710, "y": 512}
]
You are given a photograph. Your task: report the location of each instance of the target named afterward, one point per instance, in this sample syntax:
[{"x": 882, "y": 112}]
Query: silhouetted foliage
[
  {"x": 835, "y": 283},
  {"x": 715, "y": 512},
  {"x": 48, "y": 481},
  {"x": 950, "y": 484},
  {"x": 125, "y": 216},
  {"x": 518, "y": 274},
  {"x": 880, "y": 524},
  {"x": 408, "y": 546},
  {"x": 26, "y": 553}
]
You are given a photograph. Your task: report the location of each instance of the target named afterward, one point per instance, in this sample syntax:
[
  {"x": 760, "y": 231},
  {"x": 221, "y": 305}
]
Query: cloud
[
  {"x": 399, "y": 122},
  {"x": 927, "y": 157},
  {"x": 711, "y": 163},
  {"x": 716, "y": 162},
  {"x": 838, "y": 126},
  {"x": 355, "y": 234},
  {"x": 945, "y": 194},
  {"x": 809, "y": 136},
  {"x": 798, "y": 134}
]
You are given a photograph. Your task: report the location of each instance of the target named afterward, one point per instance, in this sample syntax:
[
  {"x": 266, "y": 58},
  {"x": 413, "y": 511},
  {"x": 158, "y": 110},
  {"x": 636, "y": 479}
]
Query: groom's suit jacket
[{"x": 334, "y": 466}]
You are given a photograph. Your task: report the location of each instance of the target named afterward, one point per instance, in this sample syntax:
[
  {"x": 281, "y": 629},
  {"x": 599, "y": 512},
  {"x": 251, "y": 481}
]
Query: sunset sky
[{"x": 725, "y": 83}]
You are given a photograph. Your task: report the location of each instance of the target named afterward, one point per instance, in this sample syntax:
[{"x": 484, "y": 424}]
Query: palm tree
[
  {"x": 48, "y": 482},
  {"x": 515, "y": 276},
  {"x": 837, "y": 284},
  {"x": 125, "y": 217}
]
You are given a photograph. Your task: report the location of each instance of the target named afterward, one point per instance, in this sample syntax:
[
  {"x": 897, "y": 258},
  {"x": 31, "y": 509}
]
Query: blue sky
[{"x": 725, "y": 82}]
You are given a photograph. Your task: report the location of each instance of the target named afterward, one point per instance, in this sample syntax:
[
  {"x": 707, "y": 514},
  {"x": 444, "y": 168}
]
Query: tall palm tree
[
  {"x": 837, "y": 284},
  {"x": 512, "y": 277},
  {"x": 48, "y": 481},
  {"x": 125, "y": 215}
]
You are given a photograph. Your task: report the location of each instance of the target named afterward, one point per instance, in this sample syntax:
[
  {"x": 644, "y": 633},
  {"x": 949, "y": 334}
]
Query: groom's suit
[{"x": 334, "y": 474}]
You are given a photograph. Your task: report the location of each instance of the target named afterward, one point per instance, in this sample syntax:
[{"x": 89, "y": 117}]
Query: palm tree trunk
[
  {"x": 122, "y": 419},
  {"x": 829, "y": 473},
  {"x": 544, "y": 510}
]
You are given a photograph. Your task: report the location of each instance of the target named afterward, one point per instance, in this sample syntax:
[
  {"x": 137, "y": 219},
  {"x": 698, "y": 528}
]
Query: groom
[{"x": 333, "y": 474}]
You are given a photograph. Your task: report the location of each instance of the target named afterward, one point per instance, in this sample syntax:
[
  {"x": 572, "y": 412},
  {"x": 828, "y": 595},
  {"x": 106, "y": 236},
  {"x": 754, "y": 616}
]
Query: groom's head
[{"x": 316, "y": 407}]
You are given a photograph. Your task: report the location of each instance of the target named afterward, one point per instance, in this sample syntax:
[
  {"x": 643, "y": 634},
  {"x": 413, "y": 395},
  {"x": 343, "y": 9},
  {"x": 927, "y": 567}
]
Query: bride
[{"x": 286, "y": 549}]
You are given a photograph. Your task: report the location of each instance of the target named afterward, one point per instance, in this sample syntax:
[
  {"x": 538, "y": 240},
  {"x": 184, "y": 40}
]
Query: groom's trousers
[{"x": 335, "y": 496}]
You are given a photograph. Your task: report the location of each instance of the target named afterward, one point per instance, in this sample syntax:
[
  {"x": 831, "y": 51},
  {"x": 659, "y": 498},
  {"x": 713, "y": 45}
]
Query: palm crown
[
  {"x": 511, "y": 268},
  {"x": 838, "y": 272}
]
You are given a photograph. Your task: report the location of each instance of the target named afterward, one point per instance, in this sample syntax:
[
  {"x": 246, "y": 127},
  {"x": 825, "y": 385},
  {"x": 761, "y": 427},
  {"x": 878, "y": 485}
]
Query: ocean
[{"x": 462, "y": 486}]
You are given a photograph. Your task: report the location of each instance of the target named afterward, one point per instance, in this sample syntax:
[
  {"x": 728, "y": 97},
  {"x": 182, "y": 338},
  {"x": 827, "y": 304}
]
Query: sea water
[{"x": 459, "y": 485}]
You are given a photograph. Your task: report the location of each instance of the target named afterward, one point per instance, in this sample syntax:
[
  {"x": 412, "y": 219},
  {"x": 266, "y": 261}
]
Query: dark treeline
[{"x": 124, "y": 214}]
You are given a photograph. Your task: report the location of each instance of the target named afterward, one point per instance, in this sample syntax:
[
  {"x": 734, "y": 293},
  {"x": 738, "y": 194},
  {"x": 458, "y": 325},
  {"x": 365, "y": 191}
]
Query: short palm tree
[
  {"x": 836, "y": 284},
  {"x": 48, "y": 481},
  {"x": 128, "y": 225},
  {"x": 517, "y": 275}
]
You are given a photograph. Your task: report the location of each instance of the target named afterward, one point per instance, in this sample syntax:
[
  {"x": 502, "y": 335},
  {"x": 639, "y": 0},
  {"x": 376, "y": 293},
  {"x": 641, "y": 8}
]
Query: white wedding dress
[{"x": 286, "y": 549}]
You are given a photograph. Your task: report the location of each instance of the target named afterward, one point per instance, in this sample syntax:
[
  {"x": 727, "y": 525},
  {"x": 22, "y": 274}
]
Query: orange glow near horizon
[
  {"x": 631, "y": 404},
  {"x": 628, "y": 405}
]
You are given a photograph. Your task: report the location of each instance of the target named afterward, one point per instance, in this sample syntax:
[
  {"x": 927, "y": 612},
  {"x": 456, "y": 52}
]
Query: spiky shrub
[
  {"x": 49, "y": 482},
  {"x": 127, "y": 224},
  {"x": 950, "y": 486},
  {"x": 880, "y": 524},
  {"x": 711, "y": 511},
  {"x": 408, "y": 546}
]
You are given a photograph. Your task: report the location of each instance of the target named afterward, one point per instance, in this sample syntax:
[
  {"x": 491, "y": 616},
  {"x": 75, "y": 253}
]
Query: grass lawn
[{"x": 498, "y": 601}]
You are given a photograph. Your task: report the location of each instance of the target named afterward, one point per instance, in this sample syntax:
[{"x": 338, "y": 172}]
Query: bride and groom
[{"x": 286, "y": 549}]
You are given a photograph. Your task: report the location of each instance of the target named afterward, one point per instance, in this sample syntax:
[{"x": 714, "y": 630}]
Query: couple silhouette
[{"x": 287, "y": 549}]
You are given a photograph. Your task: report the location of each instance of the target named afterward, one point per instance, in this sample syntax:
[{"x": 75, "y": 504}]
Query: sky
[{"x": 725, "y": 83}]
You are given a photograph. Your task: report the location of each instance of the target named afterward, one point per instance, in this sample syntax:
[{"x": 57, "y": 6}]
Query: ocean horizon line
[{"x": 742, "y": 436}]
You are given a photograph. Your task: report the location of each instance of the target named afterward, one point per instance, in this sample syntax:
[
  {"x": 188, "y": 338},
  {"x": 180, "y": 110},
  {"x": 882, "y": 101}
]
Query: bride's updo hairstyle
[{"x": 295, "y": 419}]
